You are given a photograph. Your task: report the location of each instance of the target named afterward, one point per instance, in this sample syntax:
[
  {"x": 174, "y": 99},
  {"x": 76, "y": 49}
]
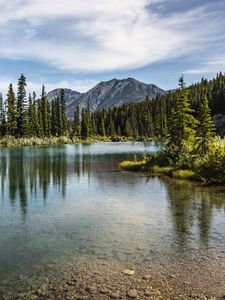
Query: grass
[
  {"x": 11, "y": 141},
  {"x": 133, "y": 165},
  {"x": 156, "y": 170},
  {"x": 184, "y": 174}
]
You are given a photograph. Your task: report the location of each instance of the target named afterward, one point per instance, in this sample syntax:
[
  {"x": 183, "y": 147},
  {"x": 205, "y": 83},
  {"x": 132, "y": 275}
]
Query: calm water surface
[{"x": 60, "y": 203}]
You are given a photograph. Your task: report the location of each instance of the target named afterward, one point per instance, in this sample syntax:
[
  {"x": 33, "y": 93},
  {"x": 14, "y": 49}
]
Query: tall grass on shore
[{"x": 11, "y": 141}]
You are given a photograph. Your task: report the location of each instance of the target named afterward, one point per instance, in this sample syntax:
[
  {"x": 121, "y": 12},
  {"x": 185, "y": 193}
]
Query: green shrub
[{"x": 211, "y": 166}]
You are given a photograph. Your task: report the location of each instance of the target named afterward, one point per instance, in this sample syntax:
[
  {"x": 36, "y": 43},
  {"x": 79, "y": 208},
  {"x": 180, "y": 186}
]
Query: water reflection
[
  {"x": 192, "y": 207},
  {"x": 28, "y": 173},
  {"x": 160, "y": 214}
]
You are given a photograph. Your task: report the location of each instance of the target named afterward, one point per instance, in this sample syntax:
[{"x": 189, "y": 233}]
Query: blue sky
[{"x": 77, "y": 43}]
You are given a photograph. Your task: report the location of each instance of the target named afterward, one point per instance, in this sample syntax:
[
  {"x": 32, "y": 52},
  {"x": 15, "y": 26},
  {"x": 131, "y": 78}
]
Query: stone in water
[{"x": 128, "y": 272}]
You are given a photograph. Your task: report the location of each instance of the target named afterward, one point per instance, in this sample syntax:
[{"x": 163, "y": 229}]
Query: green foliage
[
  {"x": 1, "y": 114},
  {"x": 206, "y": 128},
  {"x": 22, "y": 117},
  {"x": 211, "y": 165},
  {"x": 76, "y": 123},
  {"x": 133, "y": 165},
  {"x": 11, "y": 111},
  {"x": 182, "y": 122},
  {"x": 63, "y": 112},
  {"x": 184, "y": 174}
]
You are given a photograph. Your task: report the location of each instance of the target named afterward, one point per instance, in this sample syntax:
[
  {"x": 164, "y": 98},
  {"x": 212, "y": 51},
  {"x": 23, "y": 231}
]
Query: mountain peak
[{"x": 109, "y": 93}]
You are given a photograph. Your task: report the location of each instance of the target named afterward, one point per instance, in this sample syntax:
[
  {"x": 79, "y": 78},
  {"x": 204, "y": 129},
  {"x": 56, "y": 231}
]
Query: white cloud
[
  {"x": 99, "y": 35},
  {"x": 77, "y": 85},
  {"x": 211, "y": 66}
]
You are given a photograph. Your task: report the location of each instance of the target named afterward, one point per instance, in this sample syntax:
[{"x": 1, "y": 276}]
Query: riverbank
[
  {"x": 188, "y": 163},
  {"x": 10, "y": 141},
  {"x": 196, "y": 277},
  {"x": 144, "y": 166}
]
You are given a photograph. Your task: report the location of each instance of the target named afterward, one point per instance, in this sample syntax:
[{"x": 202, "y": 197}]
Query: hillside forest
[{"x": 23, "y": 115}]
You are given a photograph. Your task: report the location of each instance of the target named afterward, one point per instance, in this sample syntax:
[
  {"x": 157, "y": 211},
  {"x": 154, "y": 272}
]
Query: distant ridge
[{"x": 109, "y": 94}]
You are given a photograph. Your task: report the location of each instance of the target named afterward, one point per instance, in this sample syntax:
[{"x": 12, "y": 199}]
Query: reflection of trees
[
  {"x": 191, "y": 207},
  {"x": 28, "y": 173},
  {"x": 3, "y": 170},
  {"x": 25, "y": 175}
]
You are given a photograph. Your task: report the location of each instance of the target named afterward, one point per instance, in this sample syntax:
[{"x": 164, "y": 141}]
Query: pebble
[
  {"x": 128, "y": 272},
  {"x": 81, "y": 297},
  {"x": 132, "y": 293},
  {"x": 115, "y": 295},
  {"x": 147, "y": 276},
  {"x": 91, "y": 289},
  {"x": 104, "y": 291}
]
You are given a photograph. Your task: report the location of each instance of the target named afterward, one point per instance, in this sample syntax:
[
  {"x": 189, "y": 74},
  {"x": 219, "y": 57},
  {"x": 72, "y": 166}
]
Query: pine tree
[
  {"x": 182, "y": 124},
  {"x": 40, "y": 130},
  {"x": 22, "y": 120},
  {"x": 36, "y": 124},
  {"x": 32, "y": 115},
  {"x": 45, "y": 113},
  {"x": 11, "y": 111},
  {"x": 102, "y": 127},
  {"x": 128, "y": 132},
  {"x": 53, "y": 118},
  {"x": 206, "y": 128},
  {"x": 1, "y": 115},
  {"x": 76, "y": 123},
  {"x": 59, "y": 125},
  {"x": 63, "y": 111},
  {"x": 4, "y": 124}
]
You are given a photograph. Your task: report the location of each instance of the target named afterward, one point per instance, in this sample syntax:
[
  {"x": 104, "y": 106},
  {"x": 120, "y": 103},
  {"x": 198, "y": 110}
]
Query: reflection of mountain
[{"x": 191, "y": 209}]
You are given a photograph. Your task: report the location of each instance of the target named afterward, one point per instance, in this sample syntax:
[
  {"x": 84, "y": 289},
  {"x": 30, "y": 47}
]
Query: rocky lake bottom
[{"x": 193, "y": 277}]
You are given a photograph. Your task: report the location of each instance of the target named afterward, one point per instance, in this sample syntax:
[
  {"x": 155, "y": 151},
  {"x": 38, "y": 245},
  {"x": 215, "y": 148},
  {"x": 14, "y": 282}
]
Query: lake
[{"x": 68, "y": 203}]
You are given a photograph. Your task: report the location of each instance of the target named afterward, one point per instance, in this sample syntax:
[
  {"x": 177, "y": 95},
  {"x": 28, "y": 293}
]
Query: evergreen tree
[
  {"x": 59, "y": 124},
  {"x": 76, "y": 123},
  {"x": 36, "y": 124},
  {"x": 53, "y": 118},
  {"x": 22, "y": 120},
  {"x": 45, "y": 113},
  {"x": 182, "y": 122},
  {"x": 40, "y": 129},
  {"x": 63, "y": 111},
  {"x": 85, "y": 124},
  {"x": 11, "y": 111},
  {"x": 1, "y": 115},
  {"x": 206, "y": 128},
  {"x": 102, "y": 127},
  {"x": 4, "y": 124}
]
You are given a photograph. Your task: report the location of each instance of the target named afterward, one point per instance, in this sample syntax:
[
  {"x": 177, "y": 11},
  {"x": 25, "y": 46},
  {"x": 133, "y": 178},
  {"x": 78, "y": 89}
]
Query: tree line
[{"x": 23, "y": 116}]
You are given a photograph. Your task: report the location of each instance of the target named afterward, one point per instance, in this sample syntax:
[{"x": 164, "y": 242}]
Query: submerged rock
[
  {"x": 129, "y": 272},
  {"x": 132, "y": 293}
]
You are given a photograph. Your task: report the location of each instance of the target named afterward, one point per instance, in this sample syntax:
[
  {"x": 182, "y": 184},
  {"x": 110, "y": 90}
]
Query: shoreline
[
  {"x": 10, "y": 142},
  {"x": 172, "y": 172},
  {"x": 196, "y": 277}
]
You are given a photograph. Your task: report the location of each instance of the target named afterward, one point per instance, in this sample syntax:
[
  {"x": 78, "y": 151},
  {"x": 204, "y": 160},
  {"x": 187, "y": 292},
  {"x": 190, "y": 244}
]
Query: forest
[
  {"x": 22, "y": 116},
  {"x": 192, "y": 149},
  {"x": 182, "y": 118}
]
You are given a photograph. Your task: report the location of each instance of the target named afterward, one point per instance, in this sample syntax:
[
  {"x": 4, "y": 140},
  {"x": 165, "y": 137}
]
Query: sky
[{"x": 78, "y": 43}]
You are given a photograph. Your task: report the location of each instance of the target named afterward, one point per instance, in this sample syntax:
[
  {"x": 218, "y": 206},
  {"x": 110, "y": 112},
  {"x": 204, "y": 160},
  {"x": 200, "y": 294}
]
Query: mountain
[{"x": 108, "y": 94}]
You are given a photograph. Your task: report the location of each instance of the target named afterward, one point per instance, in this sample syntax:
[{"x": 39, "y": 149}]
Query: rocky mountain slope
[{"x": 108, "y": 94}]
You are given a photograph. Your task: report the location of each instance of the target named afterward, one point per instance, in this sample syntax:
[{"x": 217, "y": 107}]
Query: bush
[{"x": 211, "y": 166}]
